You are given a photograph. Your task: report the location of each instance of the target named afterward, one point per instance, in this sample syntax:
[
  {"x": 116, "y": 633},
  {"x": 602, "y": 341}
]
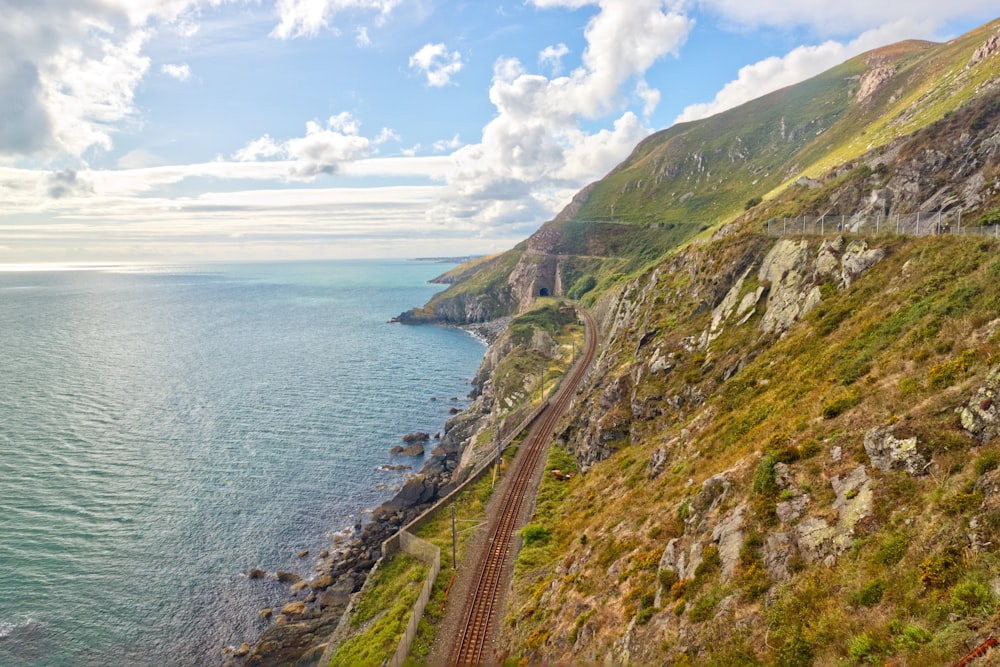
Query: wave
[{"x": 10, "y": 630}]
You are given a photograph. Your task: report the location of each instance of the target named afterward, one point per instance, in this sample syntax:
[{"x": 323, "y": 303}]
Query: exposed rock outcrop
[
  {"x": 794, "y": 273},
  {"x": 887, "y": 452},
  {"x": 980, "y": 416}
]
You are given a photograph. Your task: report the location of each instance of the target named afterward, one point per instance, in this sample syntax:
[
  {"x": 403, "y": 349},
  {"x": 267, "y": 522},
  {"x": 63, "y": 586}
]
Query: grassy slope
[{"x": 905, "y": 345}]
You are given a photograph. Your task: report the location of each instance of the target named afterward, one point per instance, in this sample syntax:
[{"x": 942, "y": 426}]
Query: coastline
[{"x": 311, "y": 611}]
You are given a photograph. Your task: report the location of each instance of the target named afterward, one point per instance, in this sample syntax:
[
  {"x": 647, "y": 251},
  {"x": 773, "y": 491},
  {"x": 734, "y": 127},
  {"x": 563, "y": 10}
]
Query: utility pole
[{"x": 454, "y": 540}]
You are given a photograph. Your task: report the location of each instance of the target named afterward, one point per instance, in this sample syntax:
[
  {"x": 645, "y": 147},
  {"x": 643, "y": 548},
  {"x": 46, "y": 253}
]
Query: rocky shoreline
[{"x": 313, "y": 608}]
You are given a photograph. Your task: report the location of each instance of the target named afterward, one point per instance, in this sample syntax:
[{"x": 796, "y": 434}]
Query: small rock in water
[
  {"x": 324, "y": 553},
  {"x": 303, "y": 553},
  {"x": 266, "y": 612},
  {"x": 299, "y": 585},
  {"x": 256, "y": 573},
  {"x": 288, "y": 577},
  {"x": 242, "y": 650}
]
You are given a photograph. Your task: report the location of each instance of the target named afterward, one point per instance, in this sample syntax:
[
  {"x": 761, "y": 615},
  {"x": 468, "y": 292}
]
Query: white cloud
[
  {"x": 551, "y": 57},
  {"x": 386, "y": 135},
  {"x": 361, "y": 37},
  {"x": 139, "y": 158},
  {"x": 799, "y": 64},
  {"x": 437, "y": 64},
  {"x": 179, "y": 72},
  {"x": 264, "y": 148},
  {"x": 322, "y": 150},
  {"x": 69, "y": 70},
  {"x": 534, "y": 154},
  {"x": 443, "y": 145},
  {"x": 650, "y": 98},
  {"x": 299, "y": 18}
]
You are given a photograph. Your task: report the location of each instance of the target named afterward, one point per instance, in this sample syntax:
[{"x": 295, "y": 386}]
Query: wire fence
[{"x": 911, "y": 224}]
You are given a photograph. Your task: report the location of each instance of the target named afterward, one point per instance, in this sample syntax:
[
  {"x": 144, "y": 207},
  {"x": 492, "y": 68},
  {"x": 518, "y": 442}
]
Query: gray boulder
[
  {"x": 980, "y": 416},
  {"x": 887, "y": 452}
]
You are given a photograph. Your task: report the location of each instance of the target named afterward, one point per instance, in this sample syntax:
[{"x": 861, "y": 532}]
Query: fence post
[
  {"x": 918, "y": 223},
  {"x": 784, "y": 225},
  {"x": 959, "y": 222},
  {"x": 877, "y": 217}
]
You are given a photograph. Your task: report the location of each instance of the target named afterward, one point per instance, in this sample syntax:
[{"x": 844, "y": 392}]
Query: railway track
[{"x": 485, "y": 602}]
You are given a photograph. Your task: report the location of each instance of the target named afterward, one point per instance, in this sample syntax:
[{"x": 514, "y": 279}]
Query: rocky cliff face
[
  {"x": 729, "y": 471},
  {"x": 774, "y": 283}
]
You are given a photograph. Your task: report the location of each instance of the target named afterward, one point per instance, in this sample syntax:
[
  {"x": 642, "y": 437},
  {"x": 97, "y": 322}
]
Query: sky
[{"x": 205, "y": 130}]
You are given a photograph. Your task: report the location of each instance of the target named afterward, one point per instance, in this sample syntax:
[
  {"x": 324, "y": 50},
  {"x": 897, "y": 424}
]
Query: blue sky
[{"x": 195, "y": 130}]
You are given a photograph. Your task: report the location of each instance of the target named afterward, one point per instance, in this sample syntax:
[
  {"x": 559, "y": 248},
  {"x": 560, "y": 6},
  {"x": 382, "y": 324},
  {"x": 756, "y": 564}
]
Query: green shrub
[
  {"x": 912, "y": 637},
  {"x": 840, "y": 404},
  {"x": 582, "y": 285},
  {"x": 971, "y": 598},
  {"x": 989, "y": 218},
  {"x": 869, "y": 595},
  {"x": 795, "y": 652},
  {"x": 645, "y": 613},
  {"x": 667, "y": 578},
  {"x": 764, "y": 481},
  {"x": 940, "y": 570},
  {"x": 892, "y": 549},
  {"x": 710, "y": 562},
  {"x": 533, "y": 533},
  {"x": 966, "y": 499},
  {"x": 702, "y": 609},
  {"x": 753, "y": 582},
  {"x": 863, "y": 647},
  {"x": 947, "y": 373},
  {"x": 986, "y": 462},
  {"x": 809, "y": 448}
]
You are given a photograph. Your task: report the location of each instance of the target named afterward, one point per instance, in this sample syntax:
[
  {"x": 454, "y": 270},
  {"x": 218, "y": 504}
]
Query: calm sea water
[{"x": 163, "y": 430}]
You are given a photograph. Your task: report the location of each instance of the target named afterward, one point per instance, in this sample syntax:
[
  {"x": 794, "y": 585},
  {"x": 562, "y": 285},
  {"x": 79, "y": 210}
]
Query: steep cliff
[{"x": 792, "y": 442}]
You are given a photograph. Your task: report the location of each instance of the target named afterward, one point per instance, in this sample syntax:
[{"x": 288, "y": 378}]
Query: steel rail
[{"x": 494, "y": 560}]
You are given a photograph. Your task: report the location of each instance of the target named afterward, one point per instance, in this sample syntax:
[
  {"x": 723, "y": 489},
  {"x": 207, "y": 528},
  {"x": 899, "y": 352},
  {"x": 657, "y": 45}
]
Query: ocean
[{"x": 165, "y": 429}]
